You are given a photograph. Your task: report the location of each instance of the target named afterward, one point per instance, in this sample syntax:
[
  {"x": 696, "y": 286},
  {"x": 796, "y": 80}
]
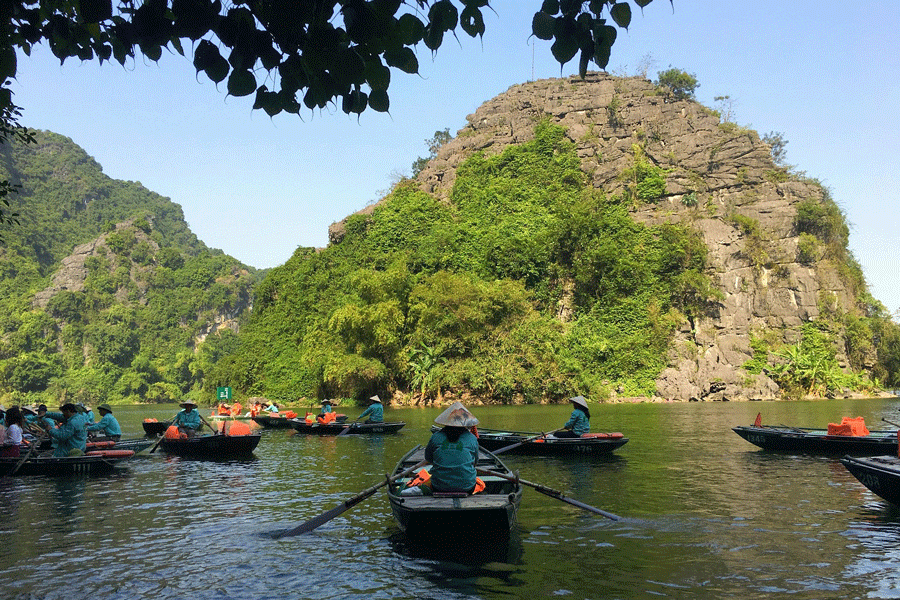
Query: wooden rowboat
[
  {"x": 102, "y": 443},
  {"x": 93, "y": 463},
  {"x": 881, "y": 474},
  {"x": 302, "y": 426},
  {"x": 805, "y": 440},
  {"x": 211, "y": 446},
  {"x": 273, "y": 422},
  {"x": 155, "y": 428},
  {"x": 591, "y": 443},
  {"x": 486, "y": 515}
]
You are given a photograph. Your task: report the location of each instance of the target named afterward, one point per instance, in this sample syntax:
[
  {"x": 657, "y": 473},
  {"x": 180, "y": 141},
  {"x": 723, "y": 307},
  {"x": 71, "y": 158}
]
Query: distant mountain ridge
[{"x": 108, "y": 295}]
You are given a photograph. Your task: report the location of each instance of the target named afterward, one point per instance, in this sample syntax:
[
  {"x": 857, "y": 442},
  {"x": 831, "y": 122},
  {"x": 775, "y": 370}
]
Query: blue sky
[{"x": 825, "y": 74}]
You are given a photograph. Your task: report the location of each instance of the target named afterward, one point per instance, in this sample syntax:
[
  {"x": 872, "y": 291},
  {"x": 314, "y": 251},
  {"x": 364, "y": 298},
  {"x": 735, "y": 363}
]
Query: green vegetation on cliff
[
  {"x": 527, "y": 284},
  {"x": 126, "y": 323}
]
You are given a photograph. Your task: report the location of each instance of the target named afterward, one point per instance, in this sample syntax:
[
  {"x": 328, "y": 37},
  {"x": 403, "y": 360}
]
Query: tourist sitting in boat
[
  {"x": 86, "y": 411},
  {"x": 107, "y": 424},
  {"x": 224, "y": 409},
  {"x": 375, "y": 412},
  {"x": 452, "y": 452},
  {"x": 71, "y": 435},
  {"x": 272, "y": 407},
  {"x": 188, "y": 419},
  {"x": 254, "y": 410},
  {"x": 14, "y": 422},
  {"x": 579, "y": 422}
]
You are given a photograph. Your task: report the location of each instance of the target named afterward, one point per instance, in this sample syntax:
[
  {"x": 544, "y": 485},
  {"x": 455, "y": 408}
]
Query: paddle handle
[
  {"x": 34, "y": 445},
  {"x": 346, "y": 504},
  {"x": 552, "y": 493},
  {"x": 525, "y": 441}
]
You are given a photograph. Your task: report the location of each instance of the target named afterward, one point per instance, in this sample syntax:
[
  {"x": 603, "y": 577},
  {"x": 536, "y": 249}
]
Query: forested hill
[
  {"x": 607, "y": 236},
  {"x": 105, "y": 293}
]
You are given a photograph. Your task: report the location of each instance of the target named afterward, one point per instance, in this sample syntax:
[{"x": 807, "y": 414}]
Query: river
[{"x": 705, "y": 515}]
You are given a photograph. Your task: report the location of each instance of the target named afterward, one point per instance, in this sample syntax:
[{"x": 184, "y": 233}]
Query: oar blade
[
  {"x": 581, "y": 505},
  {"x": 315, "y": 522}
]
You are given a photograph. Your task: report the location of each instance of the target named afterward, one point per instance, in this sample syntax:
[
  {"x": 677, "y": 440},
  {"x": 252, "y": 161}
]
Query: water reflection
[{"x": 706, "y": 515}]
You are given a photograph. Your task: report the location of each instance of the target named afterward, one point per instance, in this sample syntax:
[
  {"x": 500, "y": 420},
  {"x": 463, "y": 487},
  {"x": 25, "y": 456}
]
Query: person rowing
[
  {"x": 452, "y": 452},
  {"x": 71, "y": 435},
  {"x": 188, "y": 419},
  {"x": 579, "y": 421},
  {"x": 107, "y": 424},
  {"x": 375, "y": 412}
]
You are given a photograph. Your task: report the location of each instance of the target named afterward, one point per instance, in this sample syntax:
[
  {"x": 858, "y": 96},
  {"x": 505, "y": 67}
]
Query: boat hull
[
  {"x": 490, "y": 439},
  {"x": 817, "y": 441},
  {"x": 336, "y": 428},
  {"x": 211, "y": 446},
  {"x": 61, "y": 467},
  {"x": 154, "y": 428},
  {"x": 488, "y": 515},
  {"x": 273, "y": 422},
  {"x": 881, "y": 474}
]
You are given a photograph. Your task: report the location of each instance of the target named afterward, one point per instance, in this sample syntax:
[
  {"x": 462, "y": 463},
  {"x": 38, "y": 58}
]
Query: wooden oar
[
  {"x": 890, "y": 422},
  {"x": 347, "y": 428},
  {"x": 214, "y": 430},
  {"x": 550, "y": 492},
  {"x": 525, "y": 441},
  {"x": 340, "y": 508},
  {"x": 153, "y": 449},
  {"x": 347, "y": 504},
  {"x": 34, "y": 445}
]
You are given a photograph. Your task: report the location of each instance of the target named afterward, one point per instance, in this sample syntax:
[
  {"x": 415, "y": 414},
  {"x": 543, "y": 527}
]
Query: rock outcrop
[{"x": 719, "y": 177}]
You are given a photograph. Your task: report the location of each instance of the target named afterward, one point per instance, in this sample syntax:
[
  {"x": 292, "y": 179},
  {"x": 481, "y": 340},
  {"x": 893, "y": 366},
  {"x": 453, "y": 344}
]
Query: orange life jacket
[
  {"x": 173, "y": 433},
  {"x": 236, "y": 409},
  {"x": 423, "y": 477}
]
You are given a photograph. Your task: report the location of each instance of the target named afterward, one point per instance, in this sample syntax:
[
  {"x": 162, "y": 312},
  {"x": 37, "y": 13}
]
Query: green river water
[{"x": 706, "y": 515}]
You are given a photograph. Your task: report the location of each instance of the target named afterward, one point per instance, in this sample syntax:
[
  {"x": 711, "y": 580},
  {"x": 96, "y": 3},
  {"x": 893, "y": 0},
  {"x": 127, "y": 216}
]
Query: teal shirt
[
  {"x": 578, "y": 422},
  {"x": 452, "y": 463},
  {"x": 326, "y": 408},
  {"x": 70, "y": 435},
  {"x": 107, "y": 425},
  {"x": 188, "y": 418},
  {"x": 375, "y": 412}
]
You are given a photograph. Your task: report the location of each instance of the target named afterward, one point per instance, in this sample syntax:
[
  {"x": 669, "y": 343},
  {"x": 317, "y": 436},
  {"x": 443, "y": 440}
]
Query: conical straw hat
[
  {"x": 456, "y": 415},
  {"x": 580, "y": 400}
]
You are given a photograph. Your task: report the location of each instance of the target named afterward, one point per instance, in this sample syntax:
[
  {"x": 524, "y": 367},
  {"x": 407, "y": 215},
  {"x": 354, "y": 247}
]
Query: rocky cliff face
[
  {"x": 73, "y": 273},
  {"x": 719, "y": 179}
]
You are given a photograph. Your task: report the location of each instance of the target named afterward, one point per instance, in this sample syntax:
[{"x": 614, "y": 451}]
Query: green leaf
[
  {"x": 583, "y": 62},
  {"x": 378, "y": 76},
  {"x": 404, "y": 59},
  {"x": 550, "y": 7},
  {"x": 472, "y": 21},
  {"x": 564, "y": 48},
  {"x": 241, "y": 83},
  {"x": 542, "y": 26},
  {"x": 379, "y": 101},
  {"x": 410, "y": 30},
  {"x": 94, "y": 11},
  {"x": 7, "y": 63},
  {"x": 621, "y": 14}
]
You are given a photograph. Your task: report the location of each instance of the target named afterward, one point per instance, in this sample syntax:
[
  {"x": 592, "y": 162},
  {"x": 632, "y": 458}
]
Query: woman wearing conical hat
[
  {"x": 375, "y": 412},
  {"x": 453, "y": 451},
  {"x": 579, "y": 422}
]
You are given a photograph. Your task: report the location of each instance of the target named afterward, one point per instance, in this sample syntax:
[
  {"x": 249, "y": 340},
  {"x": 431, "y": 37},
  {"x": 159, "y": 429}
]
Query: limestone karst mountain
[{"x": 777, "y": 241}]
